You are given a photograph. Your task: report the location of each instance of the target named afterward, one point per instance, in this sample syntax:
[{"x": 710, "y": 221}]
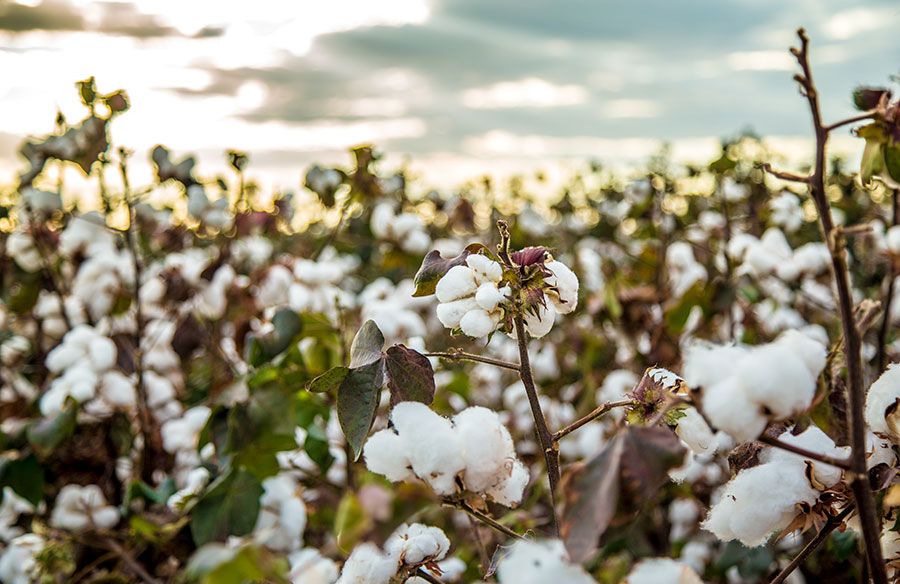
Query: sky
[{"x": 457, "y": 88}]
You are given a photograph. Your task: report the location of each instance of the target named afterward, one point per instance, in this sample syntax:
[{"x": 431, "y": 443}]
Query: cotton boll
[
  {"x": 385, "y": 454},
  {"x": 810, "y": 351},
  {"x": 477, "y": 323},
  {"x": 815, "y": 440},
  {"x": 432, "y": 445},
  {"x": 80, "y": 507},
  {"x": 565, "y": 281},
  {"x": 417, "y": 544},
  {"x": 486, "y": 269},
  {"x": 197, "y": 480},
  {"x": 487, "y": 447},
  {"x": 878, "y": 451},
  {"x": 368, "y": 565},
  {"x": 893, "y": 239},
  {"x": 182, "y": 433},
  {"x": 18, "y": 561},
  {"x": 695, "y": 432},
  {"x": 540, "y": 324},
  {"x": 510, "y": 491},
  {"x": 21, "y": 248},
  {"x": 458, "y": 282},
  {"x": 696, "y": 554},
  {"x": 706, "y": 365},
  {"x": 489, "y": 296},
  {"x": 308, "y": 566},
  {"x": 728, "y": 408},
  {"x": 118, "y": 390},
  {"x": 539, "y": 562},
  {"x": 780, "y": 381},
  {"x": 282, "y": 515},
  {"x": 882, "y": 397},
  {"x": 662, "y": 571}
]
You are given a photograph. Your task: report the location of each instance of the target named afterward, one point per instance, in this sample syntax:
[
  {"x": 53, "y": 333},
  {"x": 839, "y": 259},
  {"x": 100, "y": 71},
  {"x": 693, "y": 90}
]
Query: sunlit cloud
[
  {"x": 529, "y": 92},
  {"x": 854, "y": 22},
  {"x": 761, "y": 61},
  {"x": 631, "y": 108}
]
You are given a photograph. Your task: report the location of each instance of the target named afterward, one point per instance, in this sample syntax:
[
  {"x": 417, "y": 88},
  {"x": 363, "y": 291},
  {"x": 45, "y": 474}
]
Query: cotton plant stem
[
  {"x": 598, "y": 411},
  {"x": 545, "y": 437},
  {"x": 889, "y": 293},
  {"x": 454, "y": 355},
  {"x": 832, "y": 524},
  {"x": 424, "y": 575},
  {"x": 484, "y": 518},
  {"x": 858, "y": 477}
]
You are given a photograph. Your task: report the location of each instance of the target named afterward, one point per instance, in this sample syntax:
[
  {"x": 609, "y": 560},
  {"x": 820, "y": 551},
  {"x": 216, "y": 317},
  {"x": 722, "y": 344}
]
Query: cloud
[
  {"x": 632, "y": 108},
  {"x": 761, "y": 61},
  {"x": 54, "y": 15},
  {"x": 856, "y": 21},
  {"x": 528, "y": 92}
]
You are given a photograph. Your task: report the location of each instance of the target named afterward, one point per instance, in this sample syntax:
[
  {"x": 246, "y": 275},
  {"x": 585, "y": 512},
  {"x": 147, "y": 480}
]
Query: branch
[
  {"x": 843, "y": 463},
  {"x": 784, "y": 175},
  {"x": 599, "y": 411},
  {"x": 425, "y": 575},
  {"x": 889, "y": 293},
  {"x": 830, "y": 525},
  {"x": 862, "y": 493},
  {"x": 458, "y": 355},
  {"x": 852, "y": 120},
  {"x": 484, "y": 518}
]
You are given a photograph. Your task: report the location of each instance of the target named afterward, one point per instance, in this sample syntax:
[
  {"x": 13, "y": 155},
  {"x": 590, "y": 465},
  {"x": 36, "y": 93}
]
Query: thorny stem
[
  {"x": 484, "y": 518},
  {"x": 545, "y": 437},
  {"x": 889, "y": 293},
  {"x": 843, "y": 463},
  {"x": 457, "y": 355},
  {"x": 869, "y": 519},
  {"x": 598, "y": 411},
  {"x": 830, "y": 525}
]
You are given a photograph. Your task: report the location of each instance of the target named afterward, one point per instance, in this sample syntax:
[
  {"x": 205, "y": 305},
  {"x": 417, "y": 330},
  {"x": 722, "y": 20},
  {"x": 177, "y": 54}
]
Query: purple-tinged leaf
[
  {"x": 410, "y": 376},
  {"x": 434, "y": 267}
]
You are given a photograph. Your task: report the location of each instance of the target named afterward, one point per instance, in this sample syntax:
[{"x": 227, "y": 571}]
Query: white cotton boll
[
  {"x": 539, "y": 562},
  {"x": 282, "y": 515},
  {"x": 18, "y": 561},
  {"x": 786, "y": 211},
  {"x": 458, "y": 282},
  {"x": 195, "y": 483},
  {"x": 368, "y": 565},
  {"x": 489, "y": 296},
  {"x": 182, "y": 433},
  {"x": 878, "y": 451},
  {"x": 729, "y": 409},
  {"x": 382, "y": 218},
  {"x": 118, "y": 390},
  {"x": 308, "y": 566},
  {"x": 416, "y": 544},
  {"x": 79, "y": 507},
  {"x": 662, "y": 571},
  {"x": 102, "y": 352},
  {"x": 777, "y": 380},
  {"x": 486, "y": 269},
  {"x": 883, "y": 395},
  {"x": 451, "y": 313},
  {"x": 385, "y": 454},
  {"x": 20, "y": 247},
  {"x": 510, "y": 491},
  {"x": 566, "y": 283},
  {"x": 697, "y": 555},
  {"x": 695, "y": 432},
  {"x": 486, "y": 445},
  {"x": 540, "y": 324},
  {"x": 477, "y": 323},
  {"x": 815, "y": 440},
  {"x": 416, "y": 243},
  {"x": 432, "y": 445},
  {"x": 893, "y": 239},
  {"x": 706, "y": 365},
  {"x": 812, "y": 258},
  {"x": 733, "y": 190},
  {"x": 616, "y": 386}
]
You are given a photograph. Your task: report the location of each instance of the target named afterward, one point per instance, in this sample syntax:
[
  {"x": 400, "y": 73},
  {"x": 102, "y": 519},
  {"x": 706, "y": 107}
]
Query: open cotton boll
[
  {"x": 451, "y": 313},
  {"x": 385, "y": 454},
  {"x": 368, "y": 565},
  {"x": 431, "y": 444},
  {"x": 80, "y": 507},
  {"x": 881, "y": 397},
  {"x": 510, "y": 490},
  {"x": 18, "y": 561},
  {"x": 458, "y": 282},
  {"x": 487, "y": 447},
  {"x": 489, "y": 296},
  {"x": 705, "y": 365},
  {"x": 182, "y": 433},
  {"x": 565, "y": 299},
  {"x": 540, "y": 562},
  {"x": 729, "y": 409},
  {"x": 282, "y": 514},
  {"x": 416, "y": 544},
  {"x": 538, "y": 325},
  {"x": 815, "y": 440},
  {"x": 478, "y": 323},
  {"x": 683, "y": 515},
  {"x": 777, "y": 380},
  {"x": 486, "y": 269},
  {"x": 196, "y": 481},
  {"x": 695, "y": 432},
  {"x": 308, "y": 566},
  {"x": 810, "y": 350},
  {"x": 662, "y": 571}
]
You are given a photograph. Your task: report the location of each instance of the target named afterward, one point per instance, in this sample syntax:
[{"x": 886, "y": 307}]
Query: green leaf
[
  {"x": 317, "y": 448},
  {"x": 230, "y": 506},
  {"x": 24, "y": 476},
  {"x": 410, "y": 376},
  {"x": 328, "y": 381},
  {"x": 350, "y": 522},
  {"x": 263, "y": 348},
  {"x": 434, "y": 267},
  {"x": 216, "y": 563},
  {"x": 367, "y": 345},
  {"x": 357, "y": 401},
  {"x": 260, "y": 428},
  {"x": 892, "y": 160},
  {"x": 872, "y": 163},
  {"x": 45, "y": 435}
]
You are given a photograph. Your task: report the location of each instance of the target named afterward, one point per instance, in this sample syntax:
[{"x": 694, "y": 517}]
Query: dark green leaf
[
  {"x": 357, "y": 401},
  {"x": 329, "y": 380},
  {"x": 892, "y": 160},
  {"x": 24, "y": 476},
  {"x": 410, "y": 376},
  {"x": 229, "y": 507},
  {"x": 367, "y": 345},
  {"x": 216, "y": 563},
  {"x": 45, "y": 435}
]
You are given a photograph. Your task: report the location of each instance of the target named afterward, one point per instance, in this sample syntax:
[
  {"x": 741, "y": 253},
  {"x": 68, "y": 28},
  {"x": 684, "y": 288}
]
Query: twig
[
  {"x": 830, "y": 525},
  {"x": 486, "y": 519},
  {"x": 425, "y": 575},
  {"x": 843, "y": 463},
  {"x": 457, "y": 355},
  {"x": 869, "y": 520},
  {"x": 784, "y": 175},
  {"x": 851, "y": 120},
  {"x": 598, "y": 411},
  {"x": 889, "y": 294},
  {"x": 129, "y": 561}
]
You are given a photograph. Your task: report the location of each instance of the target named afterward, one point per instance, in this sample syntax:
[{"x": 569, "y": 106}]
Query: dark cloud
[
  {"x": 124, "y": 19},
  {"x": 48, "y": 15}
]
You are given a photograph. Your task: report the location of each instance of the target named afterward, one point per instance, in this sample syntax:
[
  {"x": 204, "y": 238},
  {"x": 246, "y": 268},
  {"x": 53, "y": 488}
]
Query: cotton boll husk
[
  {"x": 368, "y": 565},
  {"x": 431, "y": 444},
  {"x": 662, "y": 571},
  {"x": 486, "y": 445},
  {"x": 416, "y": 543},
  {"x": 566, "y": 283},
  {"x": 705, "y": 365},
  {"x": 776, "y": 379},
  {"x": 759, "y": 501},
  {"x": 540, "y": 324},
  {"x": 695, "y": 432},
  {"x": 385, "y": 454},
  {"x": 728, "y": 408},
  {"x": 883, "y": 394},
  {"x": 540, "y": 562},
  {"x": 477, "y": 323}
]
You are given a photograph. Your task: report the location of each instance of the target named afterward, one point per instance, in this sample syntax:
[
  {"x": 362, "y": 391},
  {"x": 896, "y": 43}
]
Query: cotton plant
[
  {"x": 405, "y": 230},
  {"x": 407, "y": 550}
]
